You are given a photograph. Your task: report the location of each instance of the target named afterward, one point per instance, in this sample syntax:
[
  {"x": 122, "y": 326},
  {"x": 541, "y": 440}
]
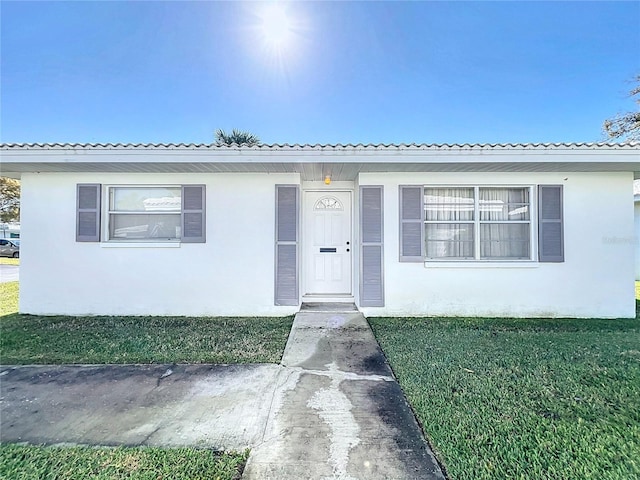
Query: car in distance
[{"x": 9, "y": 248}]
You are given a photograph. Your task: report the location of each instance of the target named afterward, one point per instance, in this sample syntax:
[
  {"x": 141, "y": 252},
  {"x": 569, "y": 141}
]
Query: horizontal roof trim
[
  {"x": 320, "y": 147},
  {"x": 314, "y": 162}
]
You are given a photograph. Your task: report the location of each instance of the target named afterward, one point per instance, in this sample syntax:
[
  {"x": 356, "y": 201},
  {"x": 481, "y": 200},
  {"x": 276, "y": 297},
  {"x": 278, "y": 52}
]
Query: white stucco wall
[
  {"x": 231, "y": 274},
  {"x": 596, "y": 279},
  {"x": 636, "y": 207}
]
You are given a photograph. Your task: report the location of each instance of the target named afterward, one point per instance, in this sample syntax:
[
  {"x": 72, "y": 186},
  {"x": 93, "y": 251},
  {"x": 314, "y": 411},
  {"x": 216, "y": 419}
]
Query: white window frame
[
  {"x": 107, "y": 212},
  {"x": 476, "y": 222}
]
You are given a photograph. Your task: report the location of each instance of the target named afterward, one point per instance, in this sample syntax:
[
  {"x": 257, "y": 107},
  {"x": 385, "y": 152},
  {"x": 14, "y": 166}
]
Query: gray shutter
[
  {"x": 371, "y": 247},
  {"x": 193, "y": 214},
  {"x": 411, "y": 224},
  {"x": 88, "y": 212},
  {"x": 550, "y": 224},
  {"x": 286, "y": 274}
]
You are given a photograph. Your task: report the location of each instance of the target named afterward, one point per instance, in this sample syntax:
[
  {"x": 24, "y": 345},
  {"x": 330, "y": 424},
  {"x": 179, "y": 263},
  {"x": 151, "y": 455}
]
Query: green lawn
[
  {"x": 522, "y": 399},
  {"x": 33, "y": 339},
  {"x": 8, "y": 299},
  {"x": 84, "y": 463}
]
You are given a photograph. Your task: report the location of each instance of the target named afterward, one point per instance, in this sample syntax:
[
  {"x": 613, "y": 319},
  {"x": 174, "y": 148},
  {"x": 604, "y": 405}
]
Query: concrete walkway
[
  {"x": 214, "y": 406},
  {"x": 332, "y": 410},
  {"x": 340, "y": 413}
]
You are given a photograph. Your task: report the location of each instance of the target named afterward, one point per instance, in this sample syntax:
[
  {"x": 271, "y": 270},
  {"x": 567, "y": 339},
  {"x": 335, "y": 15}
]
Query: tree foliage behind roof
[
  {"x": 9, "y": 200},
  {"x": 236, "y": 138},
  {"x": 626, "y": 125}
]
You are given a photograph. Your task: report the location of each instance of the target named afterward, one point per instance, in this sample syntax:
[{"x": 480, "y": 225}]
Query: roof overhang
[{"x": 314, "y": 162}]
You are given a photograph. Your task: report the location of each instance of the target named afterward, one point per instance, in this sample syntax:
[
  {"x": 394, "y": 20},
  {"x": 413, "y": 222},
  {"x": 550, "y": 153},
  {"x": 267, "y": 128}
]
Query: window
[
  {"x": 141, "y": 213},
  {"x": 481, "y": 223},
  {"x": 145, "y": 213},
  {"x": 477, "y": 223}
]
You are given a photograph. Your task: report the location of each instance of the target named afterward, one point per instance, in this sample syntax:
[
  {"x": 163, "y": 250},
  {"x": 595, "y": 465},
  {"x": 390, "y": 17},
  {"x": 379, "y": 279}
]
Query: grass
[
  {"x": 522, "y": 399},
  {"x": 101, "y": 463},
  {"x": 8, "y": 299},
  {"x": 32, "y": 339},
  {"x": 9, "y": 261}
]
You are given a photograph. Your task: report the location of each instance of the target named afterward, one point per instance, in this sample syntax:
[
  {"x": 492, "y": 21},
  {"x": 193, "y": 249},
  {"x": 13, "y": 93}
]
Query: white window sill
[
  {"x": 487, "y": 264},
  {"x": 140, "y": 244}
]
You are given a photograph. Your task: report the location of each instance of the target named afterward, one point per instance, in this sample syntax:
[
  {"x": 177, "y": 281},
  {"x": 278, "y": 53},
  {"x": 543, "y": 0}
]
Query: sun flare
[
  {"x": 276, "y": 25},
  {"x": 279, "y": 33}
]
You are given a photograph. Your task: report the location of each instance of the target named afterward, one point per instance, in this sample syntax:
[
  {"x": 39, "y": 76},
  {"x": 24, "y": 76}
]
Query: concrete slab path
[
  {"x": 215, "y": 406},
  {"x": 332, "y": 410},
  {"x": 339, "y": 414}
]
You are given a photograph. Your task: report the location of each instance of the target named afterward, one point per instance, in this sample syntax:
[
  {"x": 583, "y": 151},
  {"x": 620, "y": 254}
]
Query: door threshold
[
  {"x": 328, "y": 298},
  {"x": 328, "y": 307}
]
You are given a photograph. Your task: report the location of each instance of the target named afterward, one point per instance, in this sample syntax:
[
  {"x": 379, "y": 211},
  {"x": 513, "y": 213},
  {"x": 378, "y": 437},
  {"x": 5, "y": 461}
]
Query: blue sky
[{"x": 347, "y": 72}]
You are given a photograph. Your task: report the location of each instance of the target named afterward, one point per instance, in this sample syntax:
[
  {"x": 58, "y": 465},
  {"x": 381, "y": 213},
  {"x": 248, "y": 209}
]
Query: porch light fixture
[{"x": 327, "y": 180}]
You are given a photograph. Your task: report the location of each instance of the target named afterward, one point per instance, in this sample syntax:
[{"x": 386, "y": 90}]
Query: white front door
[{"x": 327, "y": 243}]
